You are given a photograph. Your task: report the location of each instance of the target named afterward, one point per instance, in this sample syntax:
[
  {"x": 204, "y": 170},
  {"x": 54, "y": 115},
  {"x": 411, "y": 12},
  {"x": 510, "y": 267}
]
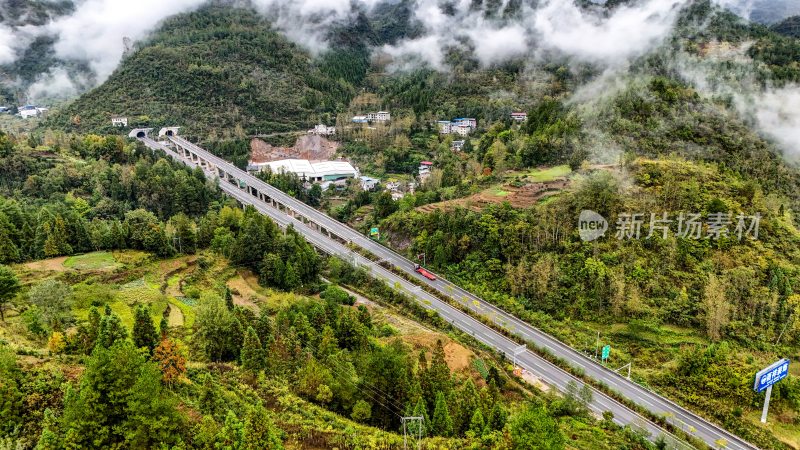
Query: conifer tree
[
  {"x": 265, "y": 328},
  {"x": 163, "y": 327},
  {"x": 228, "y": 298},
  {"x": 470, "y": 402},
  {"x": 442, "y": 423},
  {"x": 252, "y": 356},
  {"x": 111, "y": 330},
  {"x": 49, "y": 439},
  {"x": 497, "y": 417},
  {"x": 231, "y": 435},
  {"x": 144, "y": 331},
  {"x": 9, "y": 286},
  {"x": 259, "y": 431},
  {"x": 477, "y": 424},
  {"x": 208, "y": 400},
  {"x": 438, "y": 373}
]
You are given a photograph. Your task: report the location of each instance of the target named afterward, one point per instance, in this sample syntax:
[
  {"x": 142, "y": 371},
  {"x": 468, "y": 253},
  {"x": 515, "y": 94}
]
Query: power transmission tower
[{"x": 419, "y": 421}]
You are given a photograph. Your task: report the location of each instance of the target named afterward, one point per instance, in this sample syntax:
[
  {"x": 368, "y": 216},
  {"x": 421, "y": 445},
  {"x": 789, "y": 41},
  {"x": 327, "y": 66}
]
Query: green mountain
[
  {"x": 38, "y": 57},
  {"x": 212, "y": 70},
  {"x": 788, "y": 27}
]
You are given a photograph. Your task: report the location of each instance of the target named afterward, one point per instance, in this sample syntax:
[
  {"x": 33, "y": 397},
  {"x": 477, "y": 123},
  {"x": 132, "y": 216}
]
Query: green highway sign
[
  {"x": 373, "y": 231},
  {"x": 606, "y": 352}
]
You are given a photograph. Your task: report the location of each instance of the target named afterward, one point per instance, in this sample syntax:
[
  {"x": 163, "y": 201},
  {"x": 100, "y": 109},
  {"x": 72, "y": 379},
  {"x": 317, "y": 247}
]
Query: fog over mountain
[{"x": 60, "y": 49}]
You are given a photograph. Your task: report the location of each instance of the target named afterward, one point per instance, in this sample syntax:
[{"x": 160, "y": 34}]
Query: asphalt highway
[{"x": 713, "y": 435}]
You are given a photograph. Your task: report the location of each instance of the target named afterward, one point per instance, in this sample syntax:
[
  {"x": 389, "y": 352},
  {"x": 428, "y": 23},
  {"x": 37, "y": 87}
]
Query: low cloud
[
  {"x": 56, "y": 84},
  {"x": 7, "y": 52},
  {"x": 628, "y": 32},
  {"x": 773, "y": 110},
  {"x": 554, "y": 26},
  {"x": 308, "y": 22},
  {"x": 94, "y": 32}
]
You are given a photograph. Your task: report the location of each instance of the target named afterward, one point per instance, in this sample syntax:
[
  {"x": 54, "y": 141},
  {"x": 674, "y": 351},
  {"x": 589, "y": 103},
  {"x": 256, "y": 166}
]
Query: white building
[
  {"x": 119, "y": 121},
  {"x": 323, "y": 130},
  {"x": 380, "y": 116},
  {"x": 359, "y": 119},
  {"x": 519, "y": 116},
  {"x": 462, "y": 126},
  {"x": 368, "y": 183},
  {"x": 468, "y": 121},
  {"x": 461, "y": 130},
  {"x": 393, "y": 186},
  {"x": 457, "y": 145},
  {"x": 28, "y": 111},
  {"x": 425, "y": 168},
  {"x": 310, "y": 171}
]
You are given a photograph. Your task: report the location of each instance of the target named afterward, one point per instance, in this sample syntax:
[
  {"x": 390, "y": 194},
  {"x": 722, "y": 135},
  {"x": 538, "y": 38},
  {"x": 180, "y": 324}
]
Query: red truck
[{"x": 422, "y": 271}]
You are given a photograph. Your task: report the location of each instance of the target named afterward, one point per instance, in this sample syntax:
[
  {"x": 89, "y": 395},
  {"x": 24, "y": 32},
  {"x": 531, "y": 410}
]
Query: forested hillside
[
  {"x": 219, "y": 71},
  {"x": 788, "y": 27},
  {"x": 138, "y": 309}
]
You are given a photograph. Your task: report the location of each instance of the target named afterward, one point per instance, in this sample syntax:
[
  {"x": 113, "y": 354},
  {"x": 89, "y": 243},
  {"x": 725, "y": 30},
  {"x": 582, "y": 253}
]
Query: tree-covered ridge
[
  {"x": 789, "y": 27},
  {"x": 211, "y": 71},
  {"x": 533, "y": 262}
]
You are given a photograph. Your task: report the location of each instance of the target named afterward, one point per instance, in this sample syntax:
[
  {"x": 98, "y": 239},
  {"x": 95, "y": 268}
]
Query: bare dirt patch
[
  {"x": 519, "y": 197},
  {"x": 175, "y": 318},
  {"x": 52, "y": 264},
  {"x": 311, "y": 147},
  {"x": 456, "y": 355},
  {"x": 242, "y": 290}
]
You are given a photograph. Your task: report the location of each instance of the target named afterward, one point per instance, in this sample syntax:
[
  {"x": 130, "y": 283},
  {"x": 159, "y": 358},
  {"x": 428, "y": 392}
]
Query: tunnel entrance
[
  {"x": 170, "y": 133},
  {"x": 140, "y": 134}
]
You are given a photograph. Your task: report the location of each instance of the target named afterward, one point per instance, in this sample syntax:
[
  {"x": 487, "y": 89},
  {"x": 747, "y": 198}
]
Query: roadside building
[
  {"x": 519, "y": 116},
  {"x": 457, "y": 145},
  {"x": 119, "y": 121},
  {"x": 310, "y": 171},
  {"x": 359, "y": 119}
]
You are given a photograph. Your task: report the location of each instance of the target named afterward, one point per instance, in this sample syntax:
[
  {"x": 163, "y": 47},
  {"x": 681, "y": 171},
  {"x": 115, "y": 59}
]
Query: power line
[
  {"x": 371, "y": 397},
  {"x": 387, "y": 397}
]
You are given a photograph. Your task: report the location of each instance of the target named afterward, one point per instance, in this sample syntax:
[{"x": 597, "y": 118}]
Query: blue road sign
[{"x": 771, "y": 375}]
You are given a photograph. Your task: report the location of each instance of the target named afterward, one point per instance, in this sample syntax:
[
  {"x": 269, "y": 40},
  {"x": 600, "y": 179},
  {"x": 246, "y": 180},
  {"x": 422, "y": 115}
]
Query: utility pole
[
  {"x": 597, "y": 345},
  {"x": 419, "y": 420},
  {"x": 423, "y": 259}
]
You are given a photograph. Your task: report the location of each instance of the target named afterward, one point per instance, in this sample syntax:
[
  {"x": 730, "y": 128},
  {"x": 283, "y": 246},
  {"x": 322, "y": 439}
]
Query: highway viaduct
[{"x": 332, "y": 237}]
